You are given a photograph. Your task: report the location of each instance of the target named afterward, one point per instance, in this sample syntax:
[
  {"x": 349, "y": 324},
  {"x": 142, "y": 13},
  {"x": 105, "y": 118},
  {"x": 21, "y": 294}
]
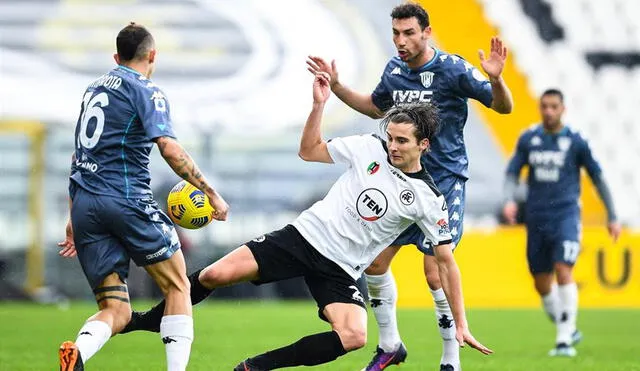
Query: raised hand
[
  {"x": 68, "y": 246},
  {"x": 463, "y": 335},
  {"x": 494, "y": 64},
  {"x": 321, "y": 89},
  {"x": 510, "y": 211},
  {"x": 614, "y": 229},
  {"x": 317, "y": 64}
]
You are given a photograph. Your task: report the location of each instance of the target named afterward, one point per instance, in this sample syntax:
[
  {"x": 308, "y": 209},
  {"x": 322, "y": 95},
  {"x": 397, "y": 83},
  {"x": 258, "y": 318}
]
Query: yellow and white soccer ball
[{"x": 188, "y": 206}]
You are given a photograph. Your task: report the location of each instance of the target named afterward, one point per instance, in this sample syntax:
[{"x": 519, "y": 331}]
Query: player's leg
[
  {"x": 240, "y": 265},
  {"x": 114, "y": 312},
  {"x": 540, "y": 265},
  {"x": 176, "y": 323},
  {"x": 349, "y": 332},
  {"x": 237, "y": 266},
  {"x": 565, "y": 254},
  {"x": 152, "y": 242},
  {"x": 340, "y": 303},
  {"x": 105, "y": 264},
  {"x": 383, "y": 297},
  {"x": 453, "y": 189}
]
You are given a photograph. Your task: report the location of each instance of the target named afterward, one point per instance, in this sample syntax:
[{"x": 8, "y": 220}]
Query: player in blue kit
[
  {"x": 422, "y": 73},
  {"x": 555, "y": 154},
  {"x": 113, "y": 216}
]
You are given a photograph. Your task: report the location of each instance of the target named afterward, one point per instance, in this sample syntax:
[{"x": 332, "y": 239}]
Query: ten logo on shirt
[{"x": 372, "y": 204}]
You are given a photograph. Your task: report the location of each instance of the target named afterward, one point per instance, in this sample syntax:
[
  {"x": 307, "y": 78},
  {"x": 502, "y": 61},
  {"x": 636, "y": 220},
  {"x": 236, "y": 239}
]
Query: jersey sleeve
[
  {"x": 469, "y": 82},
  {"x": 519, "y": 158},
  {"x": 154, "y": 111},
  {"x": 587, "y": 160},
  {"x": 434, "y": 221},
  {"x": 381, "y": 96},
  {"x": 345, "y": 149}
]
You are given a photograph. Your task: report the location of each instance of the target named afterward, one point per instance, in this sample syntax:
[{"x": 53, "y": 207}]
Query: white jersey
[{"x": 370, "y": 205}]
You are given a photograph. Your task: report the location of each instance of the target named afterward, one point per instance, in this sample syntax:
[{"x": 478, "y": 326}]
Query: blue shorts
[
  {"x": 453, "y": 189},
  {"x": 108, "y": 231},
  {"x": 553, "y": 240}
]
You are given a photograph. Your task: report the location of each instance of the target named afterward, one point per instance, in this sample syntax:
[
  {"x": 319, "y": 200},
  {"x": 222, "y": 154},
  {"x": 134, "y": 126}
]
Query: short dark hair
[
  {"x": 555, "y": 92},
  {"x": 409, "y": 10},
  {"x": 423, "y": 116},
  {"x": 133, "y": 42}
]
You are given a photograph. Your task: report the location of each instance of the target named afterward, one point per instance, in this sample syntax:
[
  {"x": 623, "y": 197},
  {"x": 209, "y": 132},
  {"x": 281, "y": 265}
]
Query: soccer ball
[{"x": 188, "y": 206}]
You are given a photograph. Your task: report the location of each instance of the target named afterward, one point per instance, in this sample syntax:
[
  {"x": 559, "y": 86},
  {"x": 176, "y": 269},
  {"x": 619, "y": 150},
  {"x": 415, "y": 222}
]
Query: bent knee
[
  {"x": 217, "y": 277},
  {"x": 376, "y": 269},
  {"x": 433, "y": 279},
  {"x": 352, "y": 338}
]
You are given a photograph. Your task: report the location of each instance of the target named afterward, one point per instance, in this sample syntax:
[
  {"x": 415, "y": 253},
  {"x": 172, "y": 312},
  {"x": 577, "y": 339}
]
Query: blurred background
[{"x": 234, "y": 72}]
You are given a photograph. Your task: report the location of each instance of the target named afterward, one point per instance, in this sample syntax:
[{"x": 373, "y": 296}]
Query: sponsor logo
[
  {"x": 371, "y": 204},
  {"x": 259, "y": 239},
  {"x": 397, "y": 174},
  {"x": 444, "y": 227},
  {"x": 357, "y": 296},
  {"x": 478, "y": 75},
  {"x": 373, "y": 168},
  {"x": 445, "y": 322},
  {"x": 157, "y": 253},
  {"x": 426, "y": 78},
  {"x": 167, "y": 340},
  {"x": 407, "y": 197},
  {"x": 412, "y": 96},
  {"x": 197, "y": 197}
]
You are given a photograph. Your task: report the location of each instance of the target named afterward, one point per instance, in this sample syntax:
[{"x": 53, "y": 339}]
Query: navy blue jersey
[
  {"x": 121, "y": 113},
  {"x": 554, "y": 162},
  {"x": 447, "y": 81}
]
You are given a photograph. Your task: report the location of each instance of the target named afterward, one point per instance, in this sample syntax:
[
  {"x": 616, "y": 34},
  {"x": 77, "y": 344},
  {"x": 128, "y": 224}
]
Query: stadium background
[{"x": 234, "y": 73}]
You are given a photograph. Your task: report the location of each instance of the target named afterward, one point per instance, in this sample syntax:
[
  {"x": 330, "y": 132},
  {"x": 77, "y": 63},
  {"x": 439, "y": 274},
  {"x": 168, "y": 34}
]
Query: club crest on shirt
[
  {"x": 373, "y": 167},
  {"x": 564, "y": 143},
  {"x": 407, "y": 197},
  {"x": 426, "y": 78}
]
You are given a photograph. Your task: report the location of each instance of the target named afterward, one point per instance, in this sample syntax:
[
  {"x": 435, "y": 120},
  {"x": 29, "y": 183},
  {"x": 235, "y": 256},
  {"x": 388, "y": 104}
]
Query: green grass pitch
[{"x": 228, "y": 332}]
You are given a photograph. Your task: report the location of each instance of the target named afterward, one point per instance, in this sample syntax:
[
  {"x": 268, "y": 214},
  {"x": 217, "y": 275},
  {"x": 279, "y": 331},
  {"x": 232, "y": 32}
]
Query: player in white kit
[{"x": 384, "y": 190}]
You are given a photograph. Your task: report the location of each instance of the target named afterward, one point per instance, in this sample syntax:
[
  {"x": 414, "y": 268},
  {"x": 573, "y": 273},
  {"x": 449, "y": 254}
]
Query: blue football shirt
[
  {"x": 554, "y": 162},
  {"x": 121, "y": 114},
  {"x": 447, "y": 81}
]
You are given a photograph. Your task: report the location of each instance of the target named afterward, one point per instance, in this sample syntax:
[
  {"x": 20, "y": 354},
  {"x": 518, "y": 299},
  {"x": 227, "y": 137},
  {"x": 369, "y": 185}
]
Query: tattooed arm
[{"x": 183, "y": 165}]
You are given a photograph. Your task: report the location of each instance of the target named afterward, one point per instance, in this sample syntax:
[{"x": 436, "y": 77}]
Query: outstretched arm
[
  {"x": 360, "y": 102},
  {"x": 312, "y": 147},
  {"x": 451, "y": 283},
  {"x": 183, "y": 165},
  {"x": 493, "y": 65}
]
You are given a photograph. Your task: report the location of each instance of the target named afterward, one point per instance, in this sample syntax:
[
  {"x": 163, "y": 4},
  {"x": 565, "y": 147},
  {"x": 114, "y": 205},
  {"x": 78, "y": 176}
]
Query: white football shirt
[{"x": 370, "y": 205}]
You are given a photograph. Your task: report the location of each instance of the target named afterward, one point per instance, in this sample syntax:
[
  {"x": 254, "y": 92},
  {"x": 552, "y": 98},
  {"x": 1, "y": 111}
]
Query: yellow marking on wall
[{"x": 495, "y": 272}]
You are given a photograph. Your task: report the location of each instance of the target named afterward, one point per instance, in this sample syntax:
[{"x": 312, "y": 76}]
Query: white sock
[
  {"x": 383, "y": 295},
  {"x": 176, "y": 332},
  {"x": 551, "y": 303},
  {"x": 91, "y": 337},
  {"x": 566, "y": 324},
  {"x": 450, "y": 347}
]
